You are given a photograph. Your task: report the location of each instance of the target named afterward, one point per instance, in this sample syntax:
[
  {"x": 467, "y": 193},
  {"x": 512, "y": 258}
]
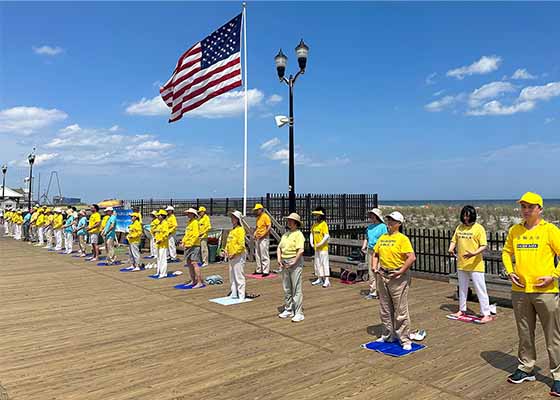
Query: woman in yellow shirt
[
  {"x": 191, "y": 245},
  {"x": 290, "y": 261},
  {"x": 153, "y": 225},
  {"x": 235, "y": 252},
  {"x": 133, "y": 238},
  {"x": 392, "y": 258},
  {"x": 162, "y": 242},
  {"x": 469, "y": 240},
  {"x": 319, "y": 239}
]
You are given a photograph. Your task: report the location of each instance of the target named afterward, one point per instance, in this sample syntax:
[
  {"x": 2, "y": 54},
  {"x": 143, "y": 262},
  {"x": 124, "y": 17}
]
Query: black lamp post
[
  {"x": 31, "y": 159},
  {"x": 4, "y": 170},
  {"x": 302, "y": 51}
]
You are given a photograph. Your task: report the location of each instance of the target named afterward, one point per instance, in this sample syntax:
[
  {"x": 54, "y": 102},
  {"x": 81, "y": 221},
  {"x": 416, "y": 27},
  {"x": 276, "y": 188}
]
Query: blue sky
[{"x": 409, "y": 100}]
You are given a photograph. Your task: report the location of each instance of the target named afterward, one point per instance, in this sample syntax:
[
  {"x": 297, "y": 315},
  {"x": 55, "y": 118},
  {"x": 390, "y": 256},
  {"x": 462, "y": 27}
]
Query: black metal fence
[
  {"x": 430, "y": 247},
  {"x": 343, "y": 209}
]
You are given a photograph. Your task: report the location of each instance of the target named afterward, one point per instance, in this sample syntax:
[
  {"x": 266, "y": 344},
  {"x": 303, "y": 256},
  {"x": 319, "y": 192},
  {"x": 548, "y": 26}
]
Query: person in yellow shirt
[
  {"x": 393, "y": 256},
  {"x": 33, "y": 225},
  {"x": 162, "y": 242},
  {"x": 40, "y": 223},
  {"x": 18, "y": 221},
  {"x": 191, "y": 244},
  {"x": 94, "y": 229},
  {"x": 235, "y": 253},
  {"x": 153, "y": 225},
  {"x": 262, "y": 240},
  {"x": 534, "y": 243},
  {"x": 290, "y": 260},
  {"x": 172, "y": 225},
  {"x": 204, "y": 227},
  {"x": 319, "y": 240},
  {"x": 470, "y": 242},
  {"x": 133, "y": 237},
  {"x": 58, "y": 223},
  {"x": 49, "y": 220}
]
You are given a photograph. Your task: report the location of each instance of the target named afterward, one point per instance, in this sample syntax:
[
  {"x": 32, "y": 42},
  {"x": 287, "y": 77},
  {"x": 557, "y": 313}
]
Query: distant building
[
  {"x": 66, "y": 200},
  {"x": 12, "y": 198}
]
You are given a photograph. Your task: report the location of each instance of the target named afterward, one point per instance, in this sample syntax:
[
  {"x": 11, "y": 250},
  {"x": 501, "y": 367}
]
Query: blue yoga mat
[
  {"x": 51, "y": 250},
  {"x": 61, "y": 252},
  {"x": 184, "y": 286},
  {"x": 173, "y": 261},
  {"x": 105, "y": 264},
  {"x": 148, "y": 258},
  {"x": 169, "y": 275},
  {"x": 393, "y": 349},
  {"x": 130, "y": 270}
]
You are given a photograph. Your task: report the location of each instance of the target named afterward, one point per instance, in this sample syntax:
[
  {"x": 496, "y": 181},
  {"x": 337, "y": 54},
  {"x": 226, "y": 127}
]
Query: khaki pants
[
  {"x": 204, "y": 250},
  {"x": 110, "y": 247},
  {"x": 372, "y": 276},
  {"x": 237, "y": 276},
  {"x": 261, "y": 255},
  {"x": 526, "y": 307},
  {"x": 82, "y": 243},
  {"x": 393, "y": 306},
  {"x": 292, "y": 284}
]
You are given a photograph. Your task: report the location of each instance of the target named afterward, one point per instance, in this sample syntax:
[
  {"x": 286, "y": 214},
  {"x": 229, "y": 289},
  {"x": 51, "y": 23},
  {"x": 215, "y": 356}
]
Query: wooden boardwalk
[{"x": 72, "y": 330}]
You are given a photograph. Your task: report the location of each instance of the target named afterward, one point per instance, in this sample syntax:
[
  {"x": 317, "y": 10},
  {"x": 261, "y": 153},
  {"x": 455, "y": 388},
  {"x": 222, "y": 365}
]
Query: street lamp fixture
[
  {"x": 31, "y": 159},
  {"x": 4, "y": 170},
  {"x": 281, "y": 61}
]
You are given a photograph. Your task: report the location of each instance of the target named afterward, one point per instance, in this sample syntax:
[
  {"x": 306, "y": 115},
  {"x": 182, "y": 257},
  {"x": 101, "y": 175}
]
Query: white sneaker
[
  {"x": 316, "y": 282},
  {"x": 407, "y": 347},
  {"x": 326, "y": 284},
  {"x": 286, "y": 314},
  {"x": 298, "y": 318}
]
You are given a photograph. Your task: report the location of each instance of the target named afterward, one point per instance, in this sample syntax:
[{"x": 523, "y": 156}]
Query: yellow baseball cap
[
  {"x": 317, "y": 212},
  {"x": 162, "y": 212},
  {"x": 135, "y": 214},
  {"x": 258, "y": 206},
  {"x": 201, "y": 209},
  {"x": 531, "y": 198}
]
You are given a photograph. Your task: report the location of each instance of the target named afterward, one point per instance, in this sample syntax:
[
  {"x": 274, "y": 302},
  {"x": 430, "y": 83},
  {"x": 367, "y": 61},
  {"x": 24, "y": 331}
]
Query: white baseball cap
[
  {"x": 377, "y": 212},
  {"x": 109, "y": 209},
  {"x": 169, "y": 208},
  {"x": 397, "y": 216}
]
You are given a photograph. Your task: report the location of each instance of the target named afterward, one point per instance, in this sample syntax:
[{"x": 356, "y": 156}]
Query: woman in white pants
[
  {"x": 319, "y": 240},
  {"x": 235, "y": 252},
  {"x": 469, "y": 240}
]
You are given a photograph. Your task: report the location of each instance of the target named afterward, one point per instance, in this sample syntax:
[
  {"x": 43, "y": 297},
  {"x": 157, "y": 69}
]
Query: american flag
[{"x": 208, "y": 69}]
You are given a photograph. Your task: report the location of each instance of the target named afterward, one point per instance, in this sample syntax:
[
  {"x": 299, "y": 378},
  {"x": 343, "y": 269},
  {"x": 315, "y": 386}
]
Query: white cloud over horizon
[
  {"x": 522, "y": 73},
  {"x": 490, "y": 90},
  {"x": 24, "y": 120},
  {"x": 47, "y": 50},
  {"x": 485, "y": 65}
]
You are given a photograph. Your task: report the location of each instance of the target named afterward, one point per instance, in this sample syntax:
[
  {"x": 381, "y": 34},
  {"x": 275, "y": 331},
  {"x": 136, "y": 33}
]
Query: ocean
[{"x": 457, "y": 203}]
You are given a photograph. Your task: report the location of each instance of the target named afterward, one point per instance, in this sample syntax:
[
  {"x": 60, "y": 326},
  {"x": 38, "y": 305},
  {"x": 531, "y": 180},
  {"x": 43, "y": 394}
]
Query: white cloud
[
  {"x": 27, "y": 120},
  {"x": 441, "y": 104},
  {"x": 545, "y": 92},
  {"x": 40, "y": 159},
  {"x": 489, "y": 91},
  {"x": 152, "y": 145},
  {"x": 274, "y": 99},
  {"x": 522, "y": 73},
  {"x": 270, "y": 143},
  {"x": 430, "y": 79},
  {"x": 496, "y": 108},
  {"x": 114, "y": 128},
  {"x": 48, "y": 50},
  {"x": 226, "y": 105},
  {"x": 282, "y": 155},
  {"x": 439, "y": 93},
  {"x": 549, "y": 120},
  {"x": 485, "y": 65}
]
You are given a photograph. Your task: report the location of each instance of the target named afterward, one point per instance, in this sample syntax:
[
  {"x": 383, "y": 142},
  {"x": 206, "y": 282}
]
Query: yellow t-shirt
[
  {"x": 153, "y": 227},
  {"x": 263, "y": 222},
  {"x": 49, "y": 220},
  {"x": 392, "y": 250},
  {"x": 172, "y": 224},
  {"x": 134, "y": 232},
  {"x": 204, "y": 226},
  {"x": 192, "y": 234},
  {"x": 34, "y": 217},
  {"x": 235, "y": 244},
  {"x": 162, "y": 235},
  {"x": 290, "y": 243},
  {"x": 58, "y": 221},
  {"x": 104, "y": 222},
  {"x": 469, "y": 238},
  {"x": 40, "y": 220},
  {"x": 94, "y": 219},
  {"x": 319, "y": 230},
  {"x": 534, "y": 252}
]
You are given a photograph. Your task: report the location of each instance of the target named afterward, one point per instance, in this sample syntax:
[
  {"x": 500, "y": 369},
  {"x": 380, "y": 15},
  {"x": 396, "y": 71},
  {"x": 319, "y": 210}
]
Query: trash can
[{"x": 212, "y": 251}]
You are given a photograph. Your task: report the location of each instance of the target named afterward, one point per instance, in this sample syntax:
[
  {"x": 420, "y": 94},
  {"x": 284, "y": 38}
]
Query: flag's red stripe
[
  {"x": 179, "y": 67},
  {"x": 209, "y": 97},
  {"x": 202, "y": 78},
  {"x": 204, "y": 88}
]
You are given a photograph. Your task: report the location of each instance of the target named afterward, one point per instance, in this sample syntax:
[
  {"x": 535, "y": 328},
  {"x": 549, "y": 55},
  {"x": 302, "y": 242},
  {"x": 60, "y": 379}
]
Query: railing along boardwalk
[{"x": 75, "y": 331}]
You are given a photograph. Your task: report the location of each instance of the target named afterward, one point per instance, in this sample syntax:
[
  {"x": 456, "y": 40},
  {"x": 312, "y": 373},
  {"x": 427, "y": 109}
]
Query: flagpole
[{"x": 246, "y": 107}]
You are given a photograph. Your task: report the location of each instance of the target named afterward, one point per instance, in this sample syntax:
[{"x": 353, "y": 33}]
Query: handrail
[{"x": 278, "y": 230}]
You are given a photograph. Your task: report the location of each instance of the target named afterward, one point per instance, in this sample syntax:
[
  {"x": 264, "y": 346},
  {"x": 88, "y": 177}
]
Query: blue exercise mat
[
  {"x": 392, "y": 349},
  {"x": 61, "y": 252},
  {"x": 149, "y": 258},
  {"x": 128, "y": 269},
  {"x": 51, "y": 250},
  {"x": 228, "y": 301},
  {"x": 169, "y": 275},
  {"x": 105, "y": 264},
  {"x": 173, "y": 261},
  {"x": 184, "y": 286}
]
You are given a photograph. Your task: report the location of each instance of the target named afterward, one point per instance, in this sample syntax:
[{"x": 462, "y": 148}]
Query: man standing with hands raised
[{"x": 534, "y": 243}]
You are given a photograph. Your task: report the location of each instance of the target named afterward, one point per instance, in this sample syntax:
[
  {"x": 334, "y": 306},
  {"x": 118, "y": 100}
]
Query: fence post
[
  {"x": 197, "y": 203},
  {"x": 375, "y": 200},
  {"x": 308, "y": 209},
  {"x": 211, "y": 206},
  {"x": 171, "y": 202},
  {"x": 344, "y": 211},
  {"x": 227, "y": 205},
  {"x": 268, "y": 201},
  {"x": 141, "y": 207}
]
